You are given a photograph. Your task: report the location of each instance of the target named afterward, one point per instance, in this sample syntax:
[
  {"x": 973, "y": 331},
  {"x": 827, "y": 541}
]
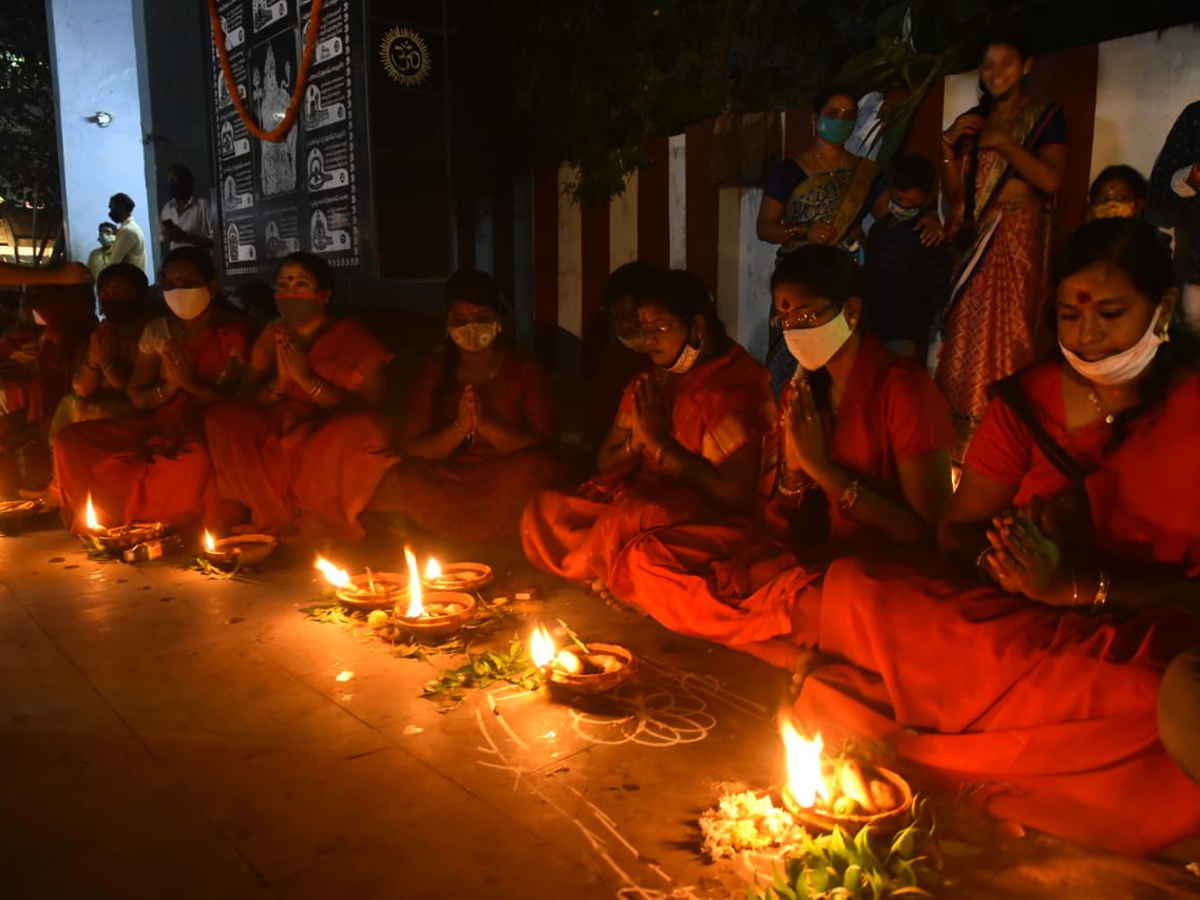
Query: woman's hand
[
  {"x": 1025, "y": 560},
  {"x": 822, "y": 233},
  {"x": 803, "y": 432},
  {"x": 102, "y": 347},
  {"x": 966, "y": 124},
  {"x": 929, "y": 229},
  {"x": 292, "y": 357},
  {"x": 651, "y": 417},
  {"x": 467, "y": 420},
  {"x": 994, "y": 138}
]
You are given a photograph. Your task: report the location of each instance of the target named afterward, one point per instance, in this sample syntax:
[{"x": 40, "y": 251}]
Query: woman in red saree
[
  {"x": 306, "y": 448},
  {"x": 155, "y": 467},
  {"x": 865, "y": 438},
  {"x": 687, "y": 441},
  {"x": 40, "y": 361},
  {"x": 1002, "y": 164},
  {"x": 478, "y": 438},
  {"x": 1041, "y": 682}
]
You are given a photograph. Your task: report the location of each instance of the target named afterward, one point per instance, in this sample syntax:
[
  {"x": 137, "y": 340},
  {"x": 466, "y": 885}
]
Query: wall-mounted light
[{"x": 102, "y": 119}]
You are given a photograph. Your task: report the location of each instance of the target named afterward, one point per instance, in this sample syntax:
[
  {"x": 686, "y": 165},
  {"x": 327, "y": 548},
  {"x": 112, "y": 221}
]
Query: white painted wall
[
  {"x": 623, "y": 225},
  {"x": 94, "y": 55},
  {"x": 1144, "y": 82},
  {"x": 570, "y": 256},
  {"x": 677, "y": 199}
]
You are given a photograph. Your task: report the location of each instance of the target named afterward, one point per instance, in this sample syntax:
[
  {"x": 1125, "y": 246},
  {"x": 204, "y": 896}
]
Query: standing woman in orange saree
[
  {"x": 156, "y": 467},
  {"x": 305, "y": 449},
  {"x": 1002, "y": 164}
]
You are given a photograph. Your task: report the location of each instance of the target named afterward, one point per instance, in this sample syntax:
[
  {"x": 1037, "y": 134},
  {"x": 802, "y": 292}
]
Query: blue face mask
[{"x": 834, "y": 131}]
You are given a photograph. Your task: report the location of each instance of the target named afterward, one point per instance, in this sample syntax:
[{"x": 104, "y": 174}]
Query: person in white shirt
[
  {"x": 186, "y": 219},
  {"x": 130, "y": 244}
]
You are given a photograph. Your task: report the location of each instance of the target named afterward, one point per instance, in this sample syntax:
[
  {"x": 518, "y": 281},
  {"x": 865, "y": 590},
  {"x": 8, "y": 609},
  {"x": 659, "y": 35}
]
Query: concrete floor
[{"x": 165, "y": 735}]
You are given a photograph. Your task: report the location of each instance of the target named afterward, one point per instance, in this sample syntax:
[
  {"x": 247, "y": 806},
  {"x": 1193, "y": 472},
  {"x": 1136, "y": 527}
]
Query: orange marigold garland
[{"x": 276, "y": 134}]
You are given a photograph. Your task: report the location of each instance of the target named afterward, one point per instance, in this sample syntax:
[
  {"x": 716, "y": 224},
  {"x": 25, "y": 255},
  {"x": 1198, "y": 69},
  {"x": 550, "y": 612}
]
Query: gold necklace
[{"x": 1107, "y": 417}]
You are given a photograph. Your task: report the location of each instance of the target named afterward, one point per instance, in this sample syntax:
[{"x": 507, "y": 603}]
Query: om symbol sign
[{"x": 405, "y": 56}]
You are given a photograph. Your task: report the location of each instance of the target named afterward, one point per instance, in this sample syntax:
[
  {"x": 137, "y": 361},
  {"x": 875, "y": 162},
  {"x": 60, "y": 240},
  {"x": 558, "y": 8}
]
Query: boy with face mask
[
  {"x": 99, "y": 258},
  {"x": 905, "y": 279}
]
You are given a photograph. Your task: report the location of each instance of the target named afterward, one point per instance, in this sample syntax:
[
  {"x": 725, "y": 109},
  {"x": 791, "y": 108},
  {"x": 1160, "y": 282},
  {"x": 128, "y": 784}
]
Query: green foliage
[
  {"x": 868, "y": 866},
  {"x": 205, "y": 566},
  {"x": 28, "y": 131},
  {"x": 482, "y": 670}
]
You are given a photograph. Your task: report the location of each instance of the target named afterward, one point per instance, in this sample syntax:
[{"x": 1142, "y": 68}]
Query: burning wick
[
  {"x": 433, "y": 572},
  {"x": 93, "y": 524},
  {"x": 415, "y": 608},
  {"x": 370, "y": 579},
  {"x": 335, "y": 576},
  {"x": 209, "y": 544},
  {"x": 805, "y": 780},
  {"x": 544, "y": 656}
]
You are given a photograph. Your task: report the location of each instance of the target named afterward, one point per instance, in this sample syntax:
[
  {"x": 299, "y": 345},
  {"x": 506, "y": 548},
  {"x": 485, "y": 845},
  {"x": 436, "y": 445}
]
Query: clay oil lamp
[
  {"x": 372, "y": 590},
  {"x": 593, "y": 669},
  {"x": 435, "y": 613},
  {"x": 242, "y": 549},
  {"x": 120, "y": 537},
  {"x": 459, "y": 576},
  {"x": 822, "y": 793}
]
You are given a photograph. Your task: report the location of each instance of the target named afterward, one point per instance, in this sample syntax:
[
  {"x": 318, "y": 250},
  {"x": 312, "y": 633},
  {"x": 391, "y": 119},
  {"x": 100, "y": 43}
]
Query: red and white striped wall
[{"x": 552, "y": 255}]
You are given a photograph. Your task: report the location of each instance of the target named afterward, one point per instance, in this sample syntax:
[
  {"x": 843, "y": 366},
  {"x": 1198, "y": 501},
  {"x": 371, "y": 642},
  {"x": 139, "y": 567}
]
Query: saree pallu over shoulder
[
  {"x": 971, "y": 684},
  {"x": 839, "y": 198}
]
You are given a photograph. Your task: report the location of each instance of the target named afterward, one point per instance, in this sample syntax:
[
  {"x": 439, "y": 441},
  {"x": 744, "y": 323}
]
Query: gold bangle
[
  {"x": 661, "y": 453},
  {"x": 849, "y": 495},
  {"x": 979, "y": 569}
]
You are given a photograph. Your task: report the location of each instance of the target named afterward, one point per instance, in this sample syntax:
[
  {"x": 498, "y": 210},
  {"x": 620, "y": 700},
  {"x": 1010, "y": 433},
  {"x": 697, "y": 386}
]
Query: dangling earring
[{"x": 1166, "y": 334}]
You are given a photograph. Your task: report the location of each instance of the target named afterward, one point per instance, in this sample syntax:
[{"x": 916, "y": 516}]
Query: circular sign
[{"x": 405, "y": 56}]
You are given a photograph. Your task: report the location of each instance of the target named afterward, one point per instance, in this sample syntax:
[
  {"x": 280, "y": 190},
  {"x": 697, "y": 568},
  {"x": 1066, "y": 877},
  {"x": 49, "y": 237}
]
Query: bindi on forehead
[{"x": 1083, "y": 297}]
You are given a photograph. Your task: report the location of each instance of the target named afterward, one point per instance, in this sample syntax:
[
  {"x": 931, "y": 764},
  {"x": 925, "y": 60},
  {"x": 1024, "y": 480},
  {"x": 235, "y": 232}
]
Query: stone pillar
[{"x": 94, "y": 52}]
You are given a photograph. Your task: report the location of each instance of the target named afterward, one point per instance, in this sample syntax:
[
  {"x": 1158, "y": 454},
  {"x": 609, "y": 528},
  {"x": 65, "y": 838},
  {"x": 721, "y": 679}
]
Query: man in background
[
  {"x": 130, "y": 243},
  {"x": 1175, "y": 184},
  {"x": 186, "y": 219}
]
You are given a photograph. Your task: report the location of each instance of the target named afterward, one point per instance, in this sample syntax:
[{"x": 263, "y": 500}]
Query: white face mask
[
  {"x": 1120, "y": 367},
  {"x": 813, "y": 347},
  {"x": 37, "y": 318},
  {"x": 187, "y": 303},
  {"x": 474, "y": 336},
  {"x": 685, "y": 360},
  {"x": 903, "y": 213}
]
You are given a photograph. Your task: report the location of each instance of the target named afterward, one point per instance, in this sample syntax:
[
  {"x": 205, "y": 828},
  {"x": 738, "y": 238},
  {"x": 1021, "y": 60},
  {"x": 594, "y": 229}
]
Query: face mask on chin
[
  {"x": 106, "y": 240},
  {"x": 187, "y": 303},
  {"x": 814, "y": 347},
  {"x": 685, "y": 361},
  {"x": 296, "y": 309},
  {"x": 1120, "y": 367},
  {"x": 474, "y": 336}
]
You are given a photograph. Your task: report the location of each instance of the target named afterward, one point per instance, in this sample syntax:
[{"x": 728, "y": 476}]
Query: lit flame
[
  {"x": 541, "y": 647},
  {"x": 415, "y": 608},
  {"x": 209, "y": 544},
  {"x": 804, "y": 777},
  {"x": 433, "y": 571},
  {"x": 335, "y": 576},
  {"x": 93, "y": 524}
]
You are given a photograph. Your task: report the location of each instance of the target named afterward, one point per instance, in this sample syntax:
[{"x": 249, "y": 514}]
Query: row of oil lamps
[{"x": 818, "y": 791}]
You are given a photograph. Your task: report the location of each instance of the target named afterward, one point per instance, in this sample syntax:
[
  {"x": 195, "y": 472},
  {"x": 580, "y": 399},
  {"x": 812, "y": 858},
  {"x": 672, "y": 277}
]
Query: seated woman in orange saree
[
  {"x": 865, "y": 438},
  {"x": 306, "y": 451},
  {"x": 36, "y": 378},
  {"x": 687, "y": 440},
  {"x": 478, "y": 438},
  {"x": 155, "y": 467},
  {"x": 1041, "y": 683}
]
